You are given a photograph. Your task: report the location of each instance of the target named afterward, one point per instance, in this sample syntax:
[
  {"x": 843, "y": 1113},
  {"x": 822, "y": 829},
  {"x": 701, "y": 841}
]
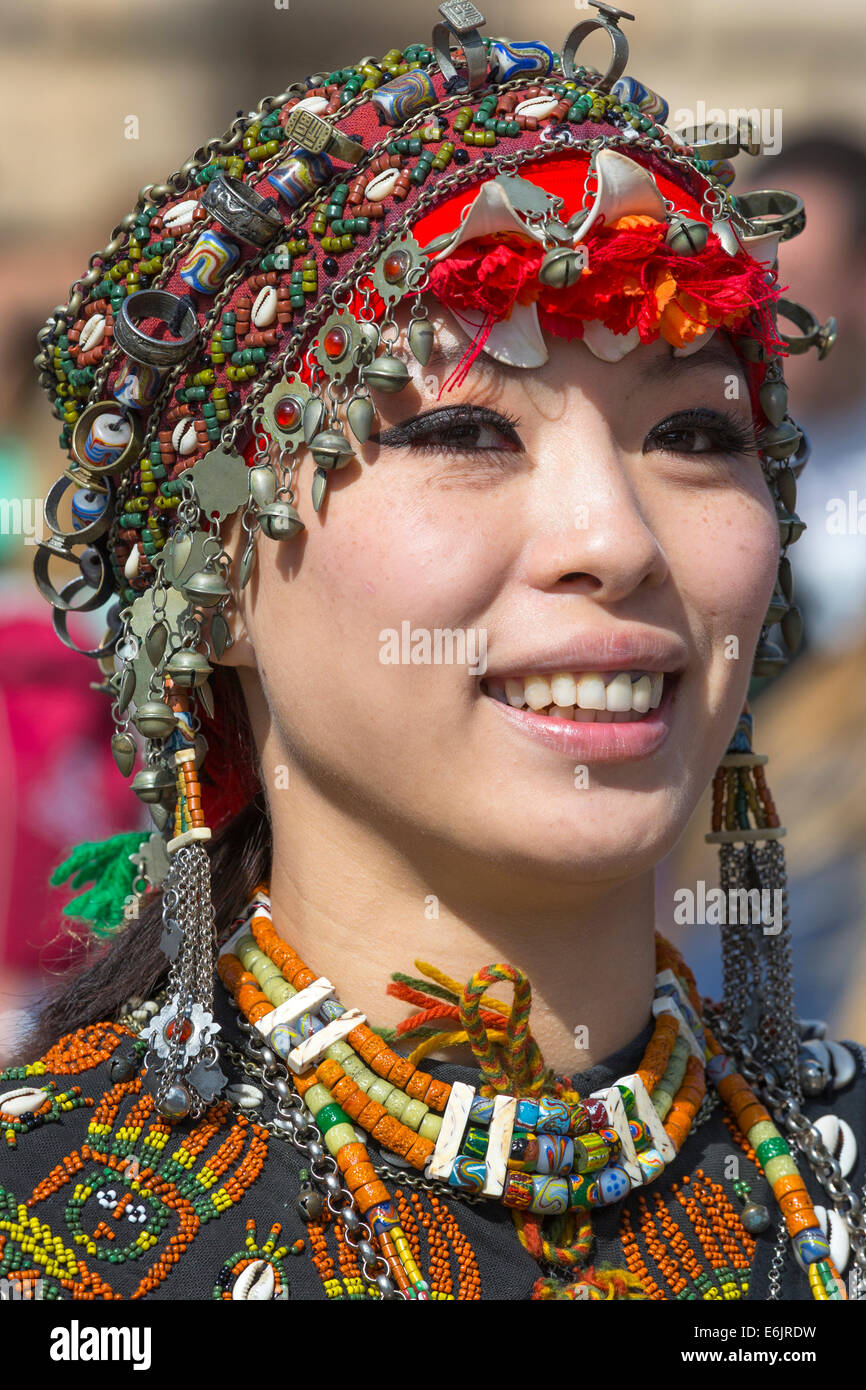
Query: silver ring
[
  {"x": 241, "y": 210},
  {"x": 58, "y": 618},
  {"x": 154, "y": 304},
  {"x": 86, "y": 533},
  {"x": 618, "y": 40},
  {"x": 462, "y": 19},
  {"x": 774, "y": 210}
]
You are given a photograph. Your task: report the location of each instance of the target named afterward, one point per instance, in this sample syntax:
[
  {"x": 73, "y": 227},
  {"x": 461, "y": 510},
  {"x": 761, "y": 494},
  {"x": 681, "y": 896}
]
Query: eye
[
  {"x": 455, "y": 430},
  {"x": 702, "y": 432}
]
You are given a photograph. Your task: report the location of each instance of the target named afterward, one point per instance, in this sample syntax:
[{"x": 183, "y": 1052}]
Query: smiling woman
[{"x": 524, "y": 408}]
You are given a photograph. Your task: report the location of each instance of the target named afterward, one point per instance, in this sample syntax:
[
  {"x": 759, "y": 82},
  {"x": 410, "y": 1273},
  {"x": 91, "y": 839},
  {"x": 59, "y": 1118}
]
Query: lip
[
  {"x": 606, "y": 743},
  {"x": 602, "y": 649}
]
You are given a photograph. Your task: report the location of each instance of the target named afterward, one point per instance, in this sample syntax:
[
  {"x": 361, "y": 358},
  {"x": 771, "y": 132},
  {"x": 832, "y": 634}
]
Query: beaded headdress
[{"x": 243, "y": 312}]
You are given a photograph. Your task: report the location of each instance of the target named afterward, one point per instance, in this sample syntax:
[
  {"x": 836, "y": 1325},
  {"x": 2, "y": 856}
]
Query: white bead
[
  {"x": 499, "y": 1144},
  {"x": 313, "y": 1048},
  {"x": 647, "y": 1113},
  {"x": 264, "y": 309},
  {"x": 441, "y": 1161},
  {"x": 618, "y": 1120},
  {"x": 305, "y": 1001}
]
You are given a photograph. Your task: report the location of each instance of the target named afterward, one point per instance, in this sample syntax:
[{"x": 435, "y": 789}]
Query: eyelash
[
  {"x": 418, "y": 433},
  {"x": 733, "y": 437}
]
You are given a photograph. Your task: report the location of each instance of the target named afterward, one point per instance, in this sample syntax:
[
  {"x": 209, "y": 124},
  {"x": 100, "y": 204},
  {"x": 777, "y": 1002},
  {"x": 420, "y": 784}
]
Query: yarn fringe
[{"x": 106, "y": 864}]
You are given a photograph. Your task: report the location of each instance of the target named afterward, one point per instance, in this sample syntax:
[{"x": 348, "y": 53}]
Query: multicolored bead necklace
[{"x": 534, "y": 1153}]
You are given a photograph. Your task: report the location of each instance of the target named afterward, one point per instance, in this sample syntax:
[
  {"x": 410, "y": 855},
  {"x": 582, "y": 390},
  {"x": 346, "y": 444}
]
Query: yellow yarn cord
[
  {"x": 447, "y": 1039},
  {"x": 440, "y": 978}
]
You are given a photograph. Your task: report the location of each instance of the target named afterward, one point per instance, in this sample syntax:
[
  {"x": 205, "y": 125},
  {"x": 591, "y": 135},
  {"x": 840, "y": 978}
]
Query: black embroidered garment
[{"x": 100, "y": 1197}]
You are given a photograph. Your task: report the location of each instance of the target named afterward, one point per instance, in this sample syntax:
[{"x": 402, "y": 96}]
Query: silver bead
[
  {"x": 366, "y": 1252},
  {"x": 333, "y": 1184},
  {"x": 384, "y": 1285},
  {"x": 282, "y": 1088}
]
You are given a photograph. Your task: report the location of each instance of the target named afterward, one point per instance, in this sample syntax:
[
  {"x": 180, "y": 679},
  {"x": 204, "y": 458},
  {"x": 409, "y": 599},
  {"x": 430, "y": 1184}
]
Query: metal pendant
[
  {"x": 155, "y": 643},
  {"x": 188, "y": 668},
  {"x": 219, "y": 634},
  {"x": 786, "y": 487},
  {"x": 123, "y": 751},
  {"x": 686, "y": 236},
  {"x": 263, "y": 484},
  {"x": 421, "y": 339},
  {"x": 777, "y": 609},
  {"x": 248, "y": 560},
  {"x": 205, "y": 694},
  {"x": 773, "y": 397},
  {"x": 280, "y": 522},
  {"x": 792, "y": 628},
  {"x": 562, "y": 267},
  {"x": 205, "y": 588},
  {"x": 154, "y": 719},
  {"x": 320, "y": 484},
  {"x": 314, "y": 417},
  {"x": 769, "y": 660},
  {"x": 331, "y": 450},
  {"x": 154, "y": 785},
  {"x": 360, "y": 415},
  {"x": 387, "y": 373}
]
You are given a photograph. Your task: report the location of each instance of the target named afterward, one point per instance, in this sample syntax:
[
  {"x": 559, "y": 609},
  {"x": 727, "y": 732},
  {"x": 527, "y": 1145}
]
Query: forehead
[{"x": 653, "y": 363}]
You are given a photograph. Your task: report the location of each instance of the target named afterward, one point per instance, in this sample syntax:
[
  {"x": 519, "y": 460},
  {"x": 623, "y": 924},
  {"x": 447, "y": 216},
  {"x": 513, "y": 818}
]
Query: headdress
[{"x": 250, "y": 298}]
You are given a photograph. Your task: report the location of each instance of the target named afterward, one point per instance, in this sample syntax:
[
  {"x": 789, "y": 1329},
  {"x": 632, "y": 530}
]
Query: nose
[{"x": 589, "y": 533}]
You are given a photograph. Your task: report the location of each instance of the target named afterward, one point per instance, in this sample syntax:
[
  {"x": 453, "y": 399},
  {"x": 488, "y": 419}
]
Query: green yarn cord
[{"x": 105, "y": 864}]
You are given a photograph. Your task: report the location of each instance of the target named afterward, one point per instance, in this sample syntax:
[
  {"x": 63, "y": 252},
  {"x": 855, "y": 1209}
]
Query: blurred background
[{"x": 99, "y": 100}]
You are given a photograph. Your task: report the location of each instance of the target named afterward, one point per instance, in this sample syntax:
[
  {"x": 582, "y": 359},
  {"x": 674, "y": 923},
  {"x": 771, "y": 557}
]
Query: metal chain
[
  {"x": 805, "y": 1135},
  {"x": 780, "y": 1255},
  {"x": 302, "y": 1131}
]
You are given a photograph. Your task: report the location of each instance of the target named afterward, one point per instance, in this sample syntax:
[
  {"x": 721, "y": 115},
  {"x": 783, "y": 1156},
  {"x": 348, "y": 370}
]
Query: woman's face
[{"x": 590, "y": 524}]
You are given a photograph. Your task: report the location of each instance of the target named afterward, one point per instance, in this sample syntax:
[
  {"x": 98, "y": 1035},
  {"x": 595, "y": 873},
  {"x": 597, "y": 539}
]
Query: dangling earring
[
  {"x": 758, "y": 987},
  {"x": 183, "y": 1061}
]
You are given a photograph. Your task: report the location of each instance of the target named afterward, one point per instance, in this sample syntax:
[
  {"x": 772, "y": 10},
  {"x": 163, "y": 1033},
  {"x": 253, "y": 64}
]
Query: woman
[{"x": 459, "y": 699}]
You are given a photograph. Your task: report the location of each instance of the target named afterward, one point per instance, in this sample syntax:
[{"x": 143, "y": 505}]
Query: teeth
[
  {"x": 641, "y": 694},
  {"x": 514, "y": 693},
  {"x": 587, "y": 698},
  {"x": 563, "y": 689},
  {"x": 590, "y": 692},
  {"x": 537, "y": 692},
  {"x": 619, "y": 693}
]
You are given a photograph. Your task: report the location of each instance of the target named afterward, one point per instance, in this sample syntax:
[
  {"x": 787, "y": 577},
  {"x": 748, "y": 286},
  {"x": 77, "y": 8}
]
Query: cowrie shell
[
  {"x": 184, "y": 438},
  {"x": 244, "y": 1095},
  {"x": 264, "y": 309},
  {"x": 318, "y": 105},
  {"x": 92, "y": 333},
  {"x": 22, "y": 1101},
  {"x": 839, "y": 1140},
  {"x": 381, "y": 186},
  {"x": 180, "y": 215},
  {"x": 536, "y": 107},
  {"x": 130, "y": 569},
  {"x": 834, "y": 1228},
  {"x": 256, "y": 1282}
]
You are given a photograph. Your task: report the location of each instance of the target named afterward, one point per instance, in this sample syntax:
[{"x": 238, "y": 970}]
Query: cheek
[
  {"x": 725, "y": 553},
  {"x": 385, "y": 551}
]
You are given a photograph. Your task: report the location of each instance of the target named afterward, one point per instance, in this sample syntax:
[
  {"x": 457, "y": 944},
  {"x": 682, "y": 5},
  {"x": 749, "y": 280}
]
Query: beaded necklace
[{"x": 540, "y": 1154}]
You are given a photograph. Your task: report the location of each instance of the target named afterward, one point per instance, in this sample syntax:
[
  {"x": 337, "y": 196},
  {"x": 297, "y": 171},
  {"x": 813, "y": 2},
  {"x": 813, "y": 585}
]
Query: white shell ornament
[
  {"x": 184, "y": 438},
  {"x": 536, "y": 107},
  {"x": 92, "y": 333},
  {"x": 833, "y": 1225},
  {"x": 22, "y": 1101},
  {"x": 381, "y": 186},
  {"x": 255, "y": 1283},
  {"x": 839, "y": 1140},
  {"x": 264, "y": 309},
  {"x": 180, "y": 215}
]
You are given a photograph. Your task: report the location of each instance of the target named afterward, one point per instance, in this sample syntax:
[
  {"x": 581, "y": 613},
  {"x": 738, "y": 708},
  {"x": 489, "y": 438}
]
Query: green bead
[
  {"x": 352, "y": 1065},
  {"x": 396, "y": 1103},
  {"x": 430, "y": 1126},
  {"x": 771, "y": 1148},
  {"x": 380, "y": 1090},
  {"x": 330, "y": 1115}
]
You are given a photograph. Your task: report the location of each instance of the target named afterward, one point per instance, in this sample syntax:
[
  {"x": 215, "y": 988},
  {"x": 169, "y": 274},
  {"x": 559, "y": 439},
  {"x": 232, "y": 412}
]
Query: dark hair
[{"x": 132, "y": 963}]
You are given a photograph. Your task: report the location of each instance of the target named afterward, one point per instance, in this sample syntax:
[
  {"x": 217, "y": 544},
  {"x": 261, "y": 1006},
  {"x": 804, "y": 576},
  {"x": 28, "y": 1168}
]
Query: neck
[{"x": 356, "y": 908}]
